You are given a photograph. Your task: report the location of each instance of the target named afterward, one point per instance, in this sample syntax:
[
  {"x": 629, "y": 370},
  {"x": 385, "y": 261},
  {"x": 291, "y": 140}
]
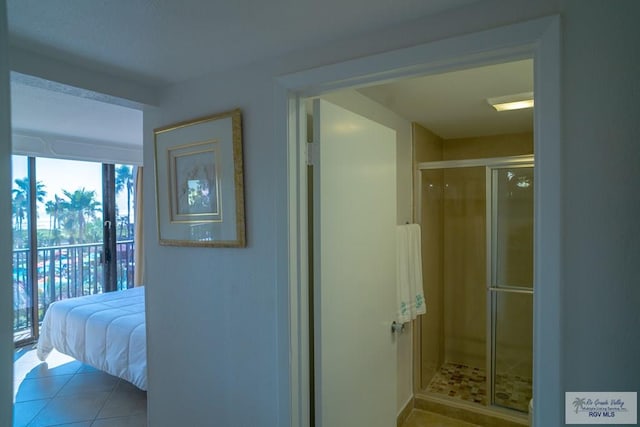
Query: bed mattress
[{"x": 106, "y": 331}]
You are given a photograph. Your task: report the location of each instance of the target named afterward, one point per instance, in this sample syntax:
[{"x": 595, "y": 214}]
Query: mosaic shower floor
[{"x": 469, "y": 384}]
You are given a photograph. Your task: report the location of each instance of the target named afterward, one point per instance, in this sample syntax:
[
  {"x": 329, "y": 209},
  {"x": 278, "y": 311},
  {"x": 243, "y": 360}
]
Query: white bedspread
[{"x": 106, "y": 331}]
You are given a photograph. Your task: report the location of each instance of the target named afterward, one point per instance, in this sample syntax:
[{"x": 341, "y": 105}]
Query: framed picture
[{"x": 199, "y": 182}]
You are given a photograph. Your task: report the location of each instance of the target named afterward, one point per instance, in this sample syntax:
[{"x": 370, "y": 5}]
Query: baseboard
[
  {"x": 475, "y": 415},
  {"x": 404, "y": 413}
]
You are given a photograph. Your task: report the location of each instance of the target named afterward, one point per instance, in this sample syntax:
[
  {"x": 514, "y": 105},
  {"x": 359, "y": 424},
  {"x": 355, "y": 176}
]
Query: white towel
[{"x": 409, "y": 273}]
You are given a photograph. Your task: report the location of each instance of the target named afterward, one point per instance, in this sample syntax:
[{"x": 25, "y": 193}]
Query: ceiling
[
  {"x": 454, "y": 104},
  {"x": 160, "y": 42},
  {"x": 168, "y": 41}
]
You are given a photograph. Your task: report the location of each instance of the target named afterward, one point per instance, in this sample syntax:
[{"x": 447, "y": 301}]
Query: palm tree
[
  {"x": 54, "y": 209},
  {"x": 80, "y": 206},
  {"x": 21, "y": 198},
  {"x": 19, "y": 208},
  {"x": 124, "y": 180}
]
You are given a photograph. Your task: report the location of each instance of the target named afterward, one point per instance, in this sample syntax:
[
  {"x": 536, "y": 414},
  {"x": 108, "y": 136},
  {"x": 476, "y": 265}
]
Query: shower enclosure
[{"x": 476, "y": 340}]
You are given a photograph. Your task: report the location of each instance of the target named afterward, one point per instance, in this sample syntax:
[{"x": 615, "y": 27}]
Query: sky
[{"x": 69, "y": 175}]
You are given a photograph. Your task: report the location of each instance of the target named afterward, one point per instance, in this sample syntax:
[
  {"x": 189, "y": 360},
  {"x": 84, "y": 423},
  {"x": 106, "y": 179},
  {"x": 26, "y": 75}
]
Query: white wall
[
  {"x": 117, "y": 91},
  {"x": 6, "y": 306},
  {"x": 212, "y": 313},
  {"x": 601, "y": 118},
  {"x": 360, "y": 104},
  {"x": 43, "y": 144}
]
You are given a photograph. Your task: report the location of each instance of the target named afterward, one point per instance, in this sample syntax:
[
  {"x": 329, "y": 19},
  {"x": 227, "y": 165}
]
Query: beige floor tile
[
  {"x": 24, "y": 412},
  {"x": 71, "y": 409},
  {"x": 419, "y": 418},
  {"x": 40, "y": 388},
  {"x": 131, "y": 421},
  {"x": 65, "y": 393},
  {"x": 125, "y": 402},
  {"x": 89, "y": 382}
]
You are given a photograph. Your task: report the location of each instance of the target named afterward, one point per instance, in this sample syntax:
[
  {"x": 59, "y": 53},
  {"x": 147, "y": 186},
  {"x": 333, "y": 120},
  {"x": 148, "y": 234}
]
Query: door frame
[{"x": 538, "y": 39}]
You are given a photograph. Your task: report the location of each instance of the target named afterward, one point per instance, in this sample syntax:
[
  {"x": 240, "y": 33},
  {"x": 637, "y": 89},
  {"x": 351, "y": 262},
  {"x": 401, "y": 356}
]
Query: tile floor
[
  {"x": 460, "y": 382},
  {"x": 63, "y": 392},
  {"x": 469, "y": 384},
  {"x": 420, "y": 418}
]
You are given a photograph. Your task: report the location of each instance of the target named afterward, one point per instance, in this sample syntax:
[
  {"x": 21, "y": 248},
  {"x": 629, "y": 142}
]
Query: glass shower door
[{"x": 511, "y": 285}]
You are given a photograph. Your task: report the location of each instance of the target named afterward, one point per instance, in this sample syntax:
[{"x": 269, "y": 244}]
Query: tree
[
  {"x": 54, "y": 208},
  {"x": 124, "y": 181},
  {"x": 79, "y": 206},
  {"x": 21, "y": 193}
]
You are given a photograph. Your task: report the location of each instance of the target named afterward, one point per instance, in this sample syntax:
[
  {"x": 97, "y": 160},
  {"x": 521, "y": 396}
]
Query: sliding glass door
[
  {"x": 24, "y": 301},
  {"x": 72, "y": 234}
]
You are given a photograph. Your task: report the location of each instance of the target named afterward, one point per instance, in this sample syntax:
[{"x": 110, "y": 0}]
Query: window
[{"x": 72, "y": 234}]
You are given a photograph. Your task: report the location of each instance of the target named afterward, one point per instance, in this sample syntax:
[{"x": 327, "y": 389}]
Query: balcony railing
[{"x": 64, "y": 272}]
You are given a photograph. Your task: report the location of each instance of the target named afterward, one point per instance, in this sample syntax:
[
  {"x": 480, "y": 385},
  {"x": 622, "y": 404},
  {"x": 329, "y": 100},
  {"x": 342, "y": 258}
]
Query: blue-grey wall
[
  {"x": 601, "y": 116},
  {"x": 6, "y": 306}
]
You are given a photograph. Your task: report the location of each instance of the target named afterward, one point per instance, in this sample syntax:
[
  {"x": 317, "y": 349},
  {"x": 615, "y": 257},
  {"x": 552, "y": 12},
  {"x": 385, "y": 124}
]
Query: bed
[{"x": 106, "y": 331}]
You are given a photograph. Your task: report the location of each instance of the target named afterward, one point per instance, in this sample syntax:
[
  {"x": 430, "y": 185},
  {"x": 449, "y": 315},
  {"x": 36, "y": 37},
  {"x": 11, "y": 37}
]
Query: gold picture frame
[{"x": 199, "y": 182}]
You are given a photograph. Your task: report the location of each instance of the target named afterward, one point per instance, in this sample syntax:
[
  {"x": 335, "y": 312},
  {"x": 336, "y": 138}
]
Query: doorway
[
  {"x": 540, "y": 41},
  {"x": 73, "y": 196}
]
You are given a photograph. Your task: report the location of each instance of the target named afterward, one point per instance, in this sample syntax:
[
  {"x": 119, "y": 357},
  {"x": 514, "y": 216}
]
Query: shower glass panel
[
  {"x": 432, "y": 323},
  {"x": 453, "y": 332},
  {"x": 511, "y": 286},
  {"x": 464, "y": 264},
  {"x": 513, "y": 350},
  {"x": 513, "y": 227}
]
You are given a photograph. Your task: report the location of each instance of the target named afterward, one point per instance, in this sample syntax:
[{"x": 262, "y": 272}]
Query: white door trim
[{"x": 538, "y": 39}]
